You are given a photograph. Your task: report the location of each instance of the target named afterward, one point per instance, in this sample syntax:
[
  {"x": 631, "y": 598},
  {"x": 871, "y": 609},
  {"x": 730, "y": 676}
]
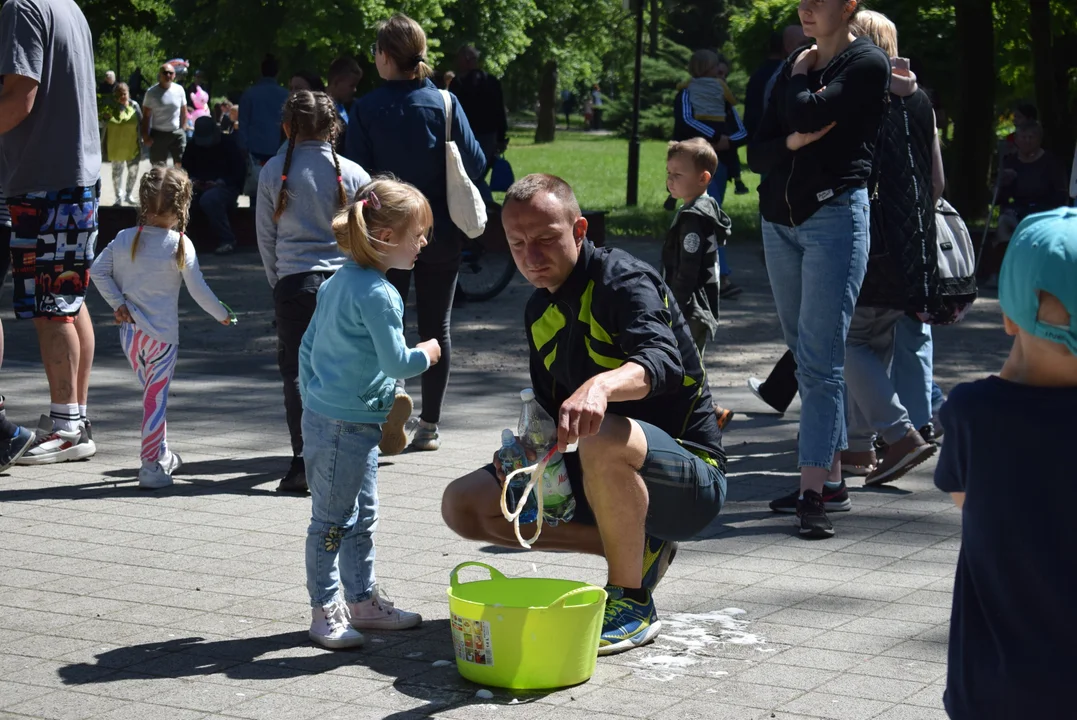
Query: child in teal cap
[{"x": 1008, "y": 465}]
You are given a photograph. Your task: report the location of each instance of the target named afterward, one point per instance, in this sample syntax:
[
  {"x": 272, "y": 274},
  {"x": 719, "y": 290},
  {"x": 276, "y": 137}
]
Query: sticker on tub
[{"x": 471, "y": 640}]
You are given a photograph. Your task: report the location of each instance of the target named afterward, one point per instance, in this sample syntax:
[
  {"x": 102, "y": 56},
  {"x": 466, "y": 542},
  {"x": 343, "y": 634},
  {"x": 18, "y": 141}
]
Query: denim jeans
[
  {"x": 716, "y": 190},
  {"x": 816, "y": 270},
  {"x": 874, "y": 404},
  {"x": 342, "y": 472},
  {"x": 912, "y": 369}
]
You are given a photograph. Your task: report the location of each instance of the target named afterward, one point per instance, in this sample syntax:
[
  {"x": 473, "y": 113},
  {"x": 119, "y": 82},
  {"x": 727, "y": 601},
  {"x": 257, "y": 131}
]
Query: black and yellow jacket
[{"x": 613, "y": 309}]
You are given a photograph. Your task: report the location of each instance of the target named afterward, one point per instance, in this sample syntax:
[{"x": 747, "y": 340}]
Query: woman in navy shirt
[{"x": 400, "y": 129}]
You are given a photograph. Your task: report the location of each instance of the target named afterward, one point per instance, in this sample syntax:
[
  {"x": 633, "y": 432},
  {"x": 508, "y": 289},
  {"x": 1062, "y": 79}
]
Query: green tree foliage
[{"x": 658, "y": 89}]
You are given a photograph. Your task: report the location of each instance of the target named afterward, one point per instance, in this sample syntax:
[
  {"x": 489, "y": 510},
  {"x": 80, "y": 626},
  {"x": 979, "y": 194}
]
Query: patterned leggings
[{"x": 153, "y": 362}]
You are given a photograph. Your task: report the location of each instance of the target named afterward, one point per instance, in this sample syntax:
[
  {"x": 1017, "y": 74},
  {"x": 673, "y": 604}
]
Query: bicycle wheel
[
  {"x": 486, "y": 267},
  {"x": 484, "y": 274}
]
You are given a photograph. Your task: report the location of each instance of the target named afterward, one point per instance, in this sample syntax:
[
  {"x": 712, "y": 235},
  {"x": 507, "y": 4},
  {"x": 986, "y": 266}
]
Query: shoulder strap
[{"x": 447, "y": 98}]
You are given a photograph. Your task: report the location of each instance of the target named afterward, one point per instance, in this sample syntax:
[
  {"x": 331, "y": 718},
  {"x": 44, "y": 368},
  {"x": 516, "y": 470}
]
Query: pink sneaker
[{"x": 378, "y": 613}]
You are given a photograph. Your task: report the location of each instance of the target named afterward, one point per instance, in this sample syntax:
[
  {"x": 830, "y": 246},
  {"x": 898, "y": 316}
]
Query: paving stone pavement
[{"x": 190, "y": 602}]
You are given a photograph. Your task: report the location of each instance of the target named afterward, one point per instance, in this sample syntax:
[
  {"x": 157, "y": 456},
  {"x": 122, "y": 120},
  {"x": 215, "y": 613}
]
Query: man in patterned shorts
[{"x": 50, "y": 162}]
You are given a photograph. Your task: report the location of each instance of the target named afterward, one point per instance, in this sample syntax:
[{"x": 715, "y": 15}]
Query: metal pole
[{"x": 632, "y": 198}]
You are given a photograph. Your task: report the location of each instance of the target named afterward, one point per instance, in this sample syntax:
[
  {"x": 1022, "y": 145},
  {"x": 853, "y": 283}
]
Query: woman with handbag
[
  {"x": 400, "y": 129},
  {"x": 814, "y": 203},
  {"x": 902, "y": 271}
]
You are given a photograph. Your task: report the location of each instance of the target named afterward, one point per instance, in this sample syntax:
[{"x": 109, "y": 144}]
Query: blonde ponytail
[{"x": 380, "y": 205}]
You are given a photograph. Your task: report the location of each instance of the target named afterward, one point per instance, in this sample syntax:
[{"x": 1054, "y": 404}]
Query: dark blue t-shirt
[{"x": 1013, "y": 627}]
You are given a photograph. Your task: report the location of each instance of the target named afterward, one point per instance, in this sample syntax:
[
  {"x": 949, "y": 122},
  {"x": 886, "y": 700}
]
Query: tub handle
[
  {"x": 454, "y": 580},
  {"x": 560, "y": 602}
]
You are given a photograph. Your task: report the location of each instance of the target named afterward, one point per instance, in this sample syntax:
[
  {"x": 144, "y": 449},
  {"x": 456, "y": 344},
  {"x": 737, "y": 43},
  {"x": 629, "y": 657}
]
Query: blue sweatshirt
[{"x": 354, "y": 348}]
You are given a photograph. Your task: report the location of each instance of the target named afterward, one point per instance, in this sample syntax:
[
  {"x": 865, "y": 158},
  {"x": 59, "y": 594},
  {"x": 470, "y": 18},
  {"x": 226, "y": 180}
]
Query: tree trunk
[
  {"x": 656, "y": 10},
  {"x": 547, "y": 113},
  {"x": 1039, "y": 31},
  {"x": 974, "y": 143}
]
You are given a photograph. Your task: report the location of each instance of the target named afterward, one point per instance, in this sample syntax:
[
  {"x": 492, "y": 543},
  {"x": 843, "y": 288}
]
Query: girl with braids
[
  {"x": 399, "y": 129},
  {"x": 352, "y": 354},
  {"x": 139, "y": 274},
  {"x": 299, "y": 193}
]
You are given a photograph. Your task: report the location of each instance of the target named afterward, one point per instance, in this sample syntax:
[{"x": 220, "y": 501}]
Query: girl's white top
[{"x": 149, "y": 284}]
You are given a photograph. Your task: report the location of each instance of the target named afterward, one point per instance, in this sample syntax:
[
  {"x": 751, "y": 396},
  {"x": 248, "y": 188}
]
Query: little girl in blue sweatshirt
[{"x": 350, "y": 358}]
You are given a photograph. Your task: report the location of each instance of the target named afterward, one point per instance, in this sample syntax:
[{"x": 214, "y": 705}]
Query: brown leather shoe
[{"x": 901, "y": 457}]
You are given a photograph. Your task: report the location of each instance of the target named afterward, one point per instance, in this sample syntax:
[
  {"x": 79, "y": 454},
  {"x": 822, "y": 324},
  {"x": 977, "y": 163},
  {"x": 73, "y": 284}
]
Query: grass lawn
[{"x": 597, "y": 168}]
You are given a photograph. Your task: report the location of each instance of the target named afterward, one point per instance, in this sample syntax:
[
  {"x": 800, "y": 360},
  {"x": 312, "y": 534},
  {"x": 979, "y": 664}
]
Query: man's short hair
[
  {"x": 270, "y": 66},
  {"x": 525, "y": 189},
  {"x": 1029, "y": 111},
  {"x": 697, "y": 149},
  {"x": 344, "y": 65}
]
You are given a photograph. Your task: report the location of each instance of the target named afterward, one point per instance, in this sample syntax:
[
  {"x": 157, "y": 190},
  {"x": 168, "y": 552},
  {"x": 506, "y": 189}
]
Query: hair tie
[
  {"x": 283, "y": 178},
  {"x": 374, "y": 201},
  {"x": 340, "y": 179},
  {"x": 418, "y": 59}
]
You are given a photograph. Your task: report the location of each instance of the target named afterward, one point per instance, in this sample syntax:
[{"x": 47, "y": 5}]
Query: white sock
[
  {"x": 65, "y": 416},
  {"x": 832, "y": 485},
  {"x": 82, "y": 413}
]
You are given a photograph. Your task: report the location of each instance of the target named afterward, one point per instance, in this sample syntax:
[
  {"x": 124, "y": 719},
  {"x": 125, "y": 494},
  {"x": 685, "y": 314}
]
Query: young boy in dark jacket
[{"x": 690, "y": 251}]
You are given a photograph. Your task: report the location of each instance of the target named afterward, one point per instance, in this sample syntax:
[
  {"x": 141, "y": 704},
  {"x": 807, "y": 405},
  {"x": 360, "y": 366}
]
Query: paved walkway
[{"x": 189, "y": 603}]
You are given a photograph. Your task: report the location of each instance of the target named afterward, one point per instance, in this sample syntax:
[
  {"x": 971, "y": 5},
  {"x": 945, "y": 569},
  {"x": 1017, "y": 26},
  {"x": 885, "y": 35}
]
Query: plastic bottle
[
  {"x": 511, "y": 457},
  {"x": 538, "y": 433}
]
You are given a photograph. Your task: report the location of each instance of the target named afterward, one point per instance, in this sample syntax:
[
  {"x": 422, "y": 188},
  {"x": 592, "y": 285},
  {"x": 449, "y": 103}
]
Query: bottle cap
[
  {"x": 527, "y": 394},
  {"x": 508, "y": 438}
]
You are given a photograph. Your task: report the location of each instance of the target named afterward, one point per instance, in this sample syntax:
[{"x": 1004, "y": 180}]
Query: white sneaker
[
  {"x": 329, "y": 627},
  {"x": 378, "y": 613},
  {"x": 170, "y": 462},
  {"x": 426, "y": 437},
  {"x": 153, "y": 476},
  {"x": 55, "y": 446}
]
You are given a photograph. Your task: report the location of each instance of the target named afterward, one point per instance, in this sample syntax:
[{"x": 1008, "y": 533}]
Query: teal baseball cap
[{"x": 1042, "y": 257}]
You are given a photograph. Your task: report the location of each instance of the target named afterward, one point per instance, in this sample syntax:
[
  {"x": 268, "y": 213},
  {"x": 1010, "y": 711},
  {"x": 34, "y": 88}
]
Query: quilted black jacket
[{"x": 902, "y": 265}]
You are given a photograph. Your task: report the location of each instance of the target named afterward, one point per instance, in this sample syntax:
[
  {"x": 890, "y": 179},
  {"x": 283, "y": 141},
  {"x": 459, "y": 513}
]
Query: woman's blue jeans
[{"x": 816, "y": 270}]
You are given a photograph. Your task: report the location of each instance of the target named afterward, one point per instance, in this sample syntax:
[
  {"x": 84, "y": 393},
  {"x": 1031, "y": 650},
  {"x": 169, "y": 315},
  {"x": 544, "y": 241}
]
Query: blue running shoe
[
  {"x": 13, "y": 449},
  {"x": 657, "y": 557},
  {"x": 627, "y": 624}
]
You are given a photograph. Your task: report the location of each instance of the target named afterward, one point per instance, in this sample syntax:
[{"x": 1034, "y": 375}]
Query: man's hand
[
  {"x": 582, "y": 414},
  {"x": 147, "y": 141},
  {"x": 122, "y": 315}
]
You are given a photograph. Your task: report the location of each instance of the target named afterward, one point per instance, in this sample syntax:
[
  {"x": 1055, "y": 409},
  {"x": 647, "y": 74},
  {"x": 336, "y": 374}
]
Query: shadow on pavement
[{"x": 275, "y": 658}]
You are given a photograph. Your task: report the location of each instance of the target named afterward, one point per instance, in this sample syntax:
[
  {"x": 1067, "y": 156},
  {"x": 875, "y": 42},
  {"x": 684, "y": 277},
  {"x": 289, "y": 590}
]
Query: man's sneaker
[
  {"x": 723, "y": 416},
  {"x": 393, "y": 437},
  {"x": 901, "y": 457},
  {"x": 927, "y": 432},
  {"x": 812, "y": 516},
  {"x": 13, "y": 448},
  {"x": 54, "y": 446},
  {"x": 379, "y": 613},
  {"x": 834, "y": 500},
  {"x": 329, "y": 627},
  {"x": 741, "y": 188},
  {"x": 627, "y": 623},
  {"x": 295, "y": 481},
  {"x": 756, "y": 386},
  {"x": 426, "y": 437},
  {"x": 225, "y": 249},
  {"x": 858, "y": 462},
  {"x": 657, "y": 557}
]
